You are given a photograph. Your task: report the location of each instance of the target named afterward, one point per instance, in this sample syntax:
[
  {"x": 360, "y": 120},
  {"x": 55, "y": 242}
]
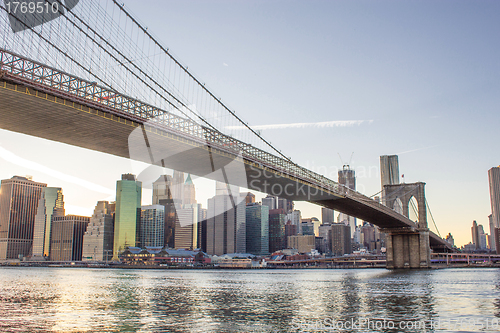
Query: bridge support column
[{"x": 408, "y": 249}]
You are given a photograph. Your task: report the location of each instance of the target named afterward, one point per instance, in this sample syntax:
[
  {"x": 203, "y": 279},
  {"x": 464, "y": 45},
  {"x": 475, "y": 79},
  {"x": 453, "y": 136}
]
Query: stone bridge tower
[{"x": 407, "y": 248}]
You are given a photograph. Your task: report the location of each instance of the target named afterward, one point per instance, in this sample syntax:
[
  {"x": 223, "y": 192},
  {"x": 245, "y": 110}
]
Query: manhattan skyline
[{"x": 386, "y": 78}]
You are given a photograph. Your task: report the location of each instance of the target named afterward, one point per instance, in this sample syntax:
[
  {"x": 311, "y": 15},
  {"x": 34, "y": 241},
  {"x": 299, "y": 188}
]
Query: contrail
[
  {"x": 334, "y": 123},
  {"x": 411, "y": 151},
  {"x": 14, "y": 159}
]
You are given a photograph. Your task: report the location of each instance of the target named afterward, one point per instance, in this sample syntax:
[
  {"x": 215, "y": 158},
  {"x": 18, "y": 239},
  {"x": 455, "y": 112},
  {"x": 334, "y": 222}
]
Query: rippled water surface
[{"x": 309, "y": 300}]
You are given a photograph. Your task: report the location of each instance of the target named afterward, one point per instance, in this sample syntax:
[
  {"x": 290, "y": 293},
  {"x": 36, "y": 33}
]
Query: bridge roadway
[{"x": 44, "y": 102}]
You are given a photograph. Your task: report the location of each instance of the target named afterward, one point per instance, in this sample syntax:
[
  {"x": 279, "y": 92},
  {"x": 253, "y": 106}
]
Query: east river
[{"x": 288, "y": 300}]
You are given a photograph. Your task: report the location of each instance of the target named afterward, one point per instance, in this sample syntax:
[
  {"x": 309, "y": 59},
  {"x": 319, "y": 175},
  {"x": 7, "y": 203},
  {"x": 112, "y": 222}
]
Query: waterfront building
[
  {"x": 347, "y": 177},
  {"x": 277, "y": 220},
  {"x": 162, "y": 195},
  {"x": 475, "y": 235},
  {"x": 151, "y": 232},
  {"x": 19, "y": 198},
  {"x": 226, "y": 226},
  {"x": 186, "y": 227},
  {"x": 340, "y": 238},
  {"x": 66, "y": 240},
  {"x": 257, "y": 229},
  {"x": 51, "y": 203},
  {"x": 98, "y": 239},
  {"x": 494, "y": 185},
  {"x": 128, "y": 214},
  {"x": 324, "y": 231},
  {"x": 307, "y": 227},
  {"x": 303, "y": 243},
  {"x": 291, "y": 229},
  {"x": 327, "y": 215}
]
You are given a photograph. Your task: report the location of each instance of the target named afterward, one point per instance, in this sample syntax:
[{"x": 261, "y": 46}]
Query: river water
[{"x": 288, "y": 300}]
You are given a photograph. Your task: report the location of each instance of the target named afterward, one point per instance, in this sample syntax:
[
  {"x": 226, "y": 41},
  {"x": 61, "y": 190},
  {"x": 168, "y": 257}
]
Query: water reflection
[{"x": 65, "y": 300}]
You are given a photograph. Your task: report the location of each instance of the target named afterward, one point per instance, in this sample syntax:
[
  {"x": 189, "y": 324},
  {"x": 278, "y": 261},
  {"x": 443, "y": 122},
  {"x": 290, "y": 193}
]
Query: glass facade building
[
  {"x": 19, "y": 197},
  {"x": 277, "y": 239},
  {"x": 152, "y": 226},
  {"x": 257, "y": 226},
  {"x": 128, "y": 214},
  {"x": 51, "y": 204}
]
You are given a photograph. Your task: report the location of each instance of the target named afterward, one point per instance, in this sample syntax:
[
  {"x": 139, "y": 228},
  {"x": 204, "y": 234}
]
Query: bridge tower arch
[{"x": 407, "y": 248}]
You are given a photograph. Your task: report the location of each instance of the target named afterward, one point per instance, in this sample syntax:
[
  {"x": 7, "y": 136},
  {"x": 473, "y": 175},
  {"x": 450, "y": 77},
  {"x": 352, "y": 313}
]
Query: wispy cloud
[
  {"x": 334, "y": 123},
  {"x": 411, "y": 151},
  {"x": 14, "y": 159},
  {"x": 224, "y": 64}
]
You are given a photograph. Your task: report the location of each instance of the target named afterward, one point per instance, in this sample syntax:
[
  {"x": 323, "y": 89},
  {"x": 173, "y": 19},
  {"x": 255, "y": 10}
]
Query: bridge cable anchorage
[
  {"x": 199, "y": 83},
  {"x": 58, "y": 49},
  {"x": 432, "y": 217}
]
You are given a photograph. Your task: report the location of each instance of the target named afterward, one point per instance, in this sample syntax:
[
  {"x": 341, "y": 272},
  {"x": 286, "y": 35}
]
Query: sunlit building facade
[
  {"x": 66, "y": 240},
  {"x": 98, "y": 239},
  {"x": 152, "y": 224},
  {"x": 51, "y": 204},
  {"x": 19, "y": 198},
  {"x": 128, "y": 214}
]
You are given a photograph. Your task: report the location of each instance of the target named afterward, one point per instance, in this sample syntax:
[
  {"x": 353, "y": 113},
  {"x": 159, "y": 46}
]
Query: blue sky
[{"x": 423, "y": 75}]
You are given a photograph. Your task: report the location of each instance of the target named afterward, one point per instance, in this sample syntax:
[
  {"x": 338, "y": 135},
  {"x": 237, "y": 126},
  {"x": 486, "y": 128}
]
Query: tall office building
[
  {"x": 226, "y": 226},
  {"x": 277, "y": 221},
  {"x": 19, "y": 198},
  {"x": 347, "y": 177},
  {"x": 98, "y": 239},
  {"x": 189, "y": 192},
  {"x": 494, "y": 182},
  {"x": 127, "y": 215},
  {"x": 295, "y": 219},
  {"x": 66, "y": 240},
  {"x": 327, "y": 215},
  {"x": 51, "y": 203},
  {"x": 161, "y": 189},
  {"x": 151, "y": 227},
  {"x": 325, "y": 231},
  {"x": 177, "y": 187},
  {"x": 162, "y": 195},
  {"x": 475, "y": 235},
  {"x": 449, "y": 239},
  {"x": 389, "y": 170},
  {"x": 270, "y": 201},
  {"x": 186, "y": 227},
  {"x": 249, "y": 197},
  {"x": 340, "y": 239},
  {"x": 202, "y": 229},
  {"x": 257, "y": 229}
]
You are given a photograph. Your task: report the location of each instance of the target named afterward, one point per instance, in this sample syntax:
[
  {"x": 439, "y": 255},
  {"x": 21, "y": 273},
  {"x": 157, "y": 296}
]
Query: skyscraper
[
  {"x": 327, "y": 215},
  {"x": 340, "y": 239},
  {"x": 161, "y": 189},
  {"x": 389, "y": 170},
  {"x": 270, "y": 201},
  {"x": 257, "y": 229},
  {"x": 475, "y": 235},
  {"x": 128, "y": 214},
  {"x": 186, "y": 227},
  {"x": 226, "y": 227},
  {"x": 98, "y": 239},
  {"x": 347, "y": 178},
  {"x": 162, "y": 194},
  {"x": 494, "y": 182},
  {"x": 66, "y": 240},
  {"x": 277, "y": 239},
  {"x": 51, "y": 203},
  {"x": 19, "y": 197},
  {"x": 189, "y": 192},
  {"x": 151, "y": 227}
]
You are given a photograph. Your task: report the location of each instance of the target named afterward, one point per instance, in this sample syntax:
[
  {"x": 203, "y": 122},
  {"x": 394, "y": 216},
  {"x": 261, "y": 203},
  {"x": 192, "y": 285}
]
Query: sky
[{"x": 324, "y": 80}]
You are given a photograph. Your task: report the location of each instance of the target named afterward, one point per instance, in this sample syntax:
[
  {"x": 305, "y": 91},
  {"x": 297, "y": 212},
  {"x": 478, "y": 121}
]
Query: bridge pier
[{"x": 407, "y": 249}]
